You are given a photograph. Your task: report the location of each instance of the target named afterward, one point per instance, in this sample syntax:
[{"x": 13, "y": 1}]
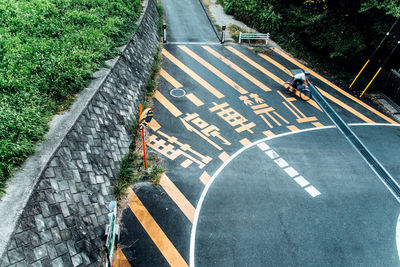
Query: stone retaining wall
[{"x": 65, "y": 213}]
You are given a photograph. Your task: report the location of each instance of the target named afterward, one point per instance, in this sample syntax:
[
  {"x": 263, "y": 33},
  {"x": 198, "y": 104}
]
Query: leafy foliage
[{"x": 48, "y": 50}]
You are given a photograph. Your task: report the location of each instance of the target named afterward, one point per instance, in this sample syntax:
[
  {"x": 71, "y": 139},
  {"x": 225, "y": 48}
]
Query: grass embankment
[
  {"x": 132, "y": 168},
  {"x": 48, "y": 51}
]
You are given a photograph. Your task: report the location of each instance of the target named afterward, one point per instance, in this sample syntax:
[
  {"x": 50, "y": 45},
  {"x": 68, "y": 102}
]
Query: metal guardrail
[
  {"x": 112, "y": 232},
  {"x": 254, "y": 36}
]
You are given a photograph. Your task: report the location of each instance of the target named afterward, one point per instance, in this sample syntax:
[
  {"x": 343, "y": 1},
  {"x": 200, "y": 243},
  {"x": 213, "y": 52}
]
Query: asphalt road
[{"x": 256, "y": 177}]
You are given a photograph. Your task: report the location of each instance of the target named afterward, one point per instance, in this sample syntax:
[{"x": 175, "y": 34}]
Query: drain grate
[{"x": 177, "y": 92}]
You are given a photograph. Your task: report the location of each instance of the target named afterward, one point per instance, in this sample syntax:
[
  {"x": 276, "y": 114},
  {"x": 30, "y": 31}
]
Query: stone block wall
[{"x": 66, "y": 213}]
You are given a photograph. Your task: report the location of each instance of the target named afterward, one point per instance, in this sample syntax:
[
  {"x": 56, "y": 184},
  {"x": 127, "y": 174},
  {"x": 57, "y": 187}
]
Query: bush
[{"x": 48, "y": 50}]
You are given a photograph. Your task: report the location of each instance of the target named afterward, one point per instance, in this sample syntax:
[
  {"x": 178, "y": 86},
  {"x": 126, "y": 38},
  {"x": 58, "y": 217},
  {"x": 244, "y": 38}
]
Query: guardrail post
[
  {"x": 164, "y": 33},
  {"x": 240, "y": 37},
  {"x": 223, "y": 34},
  {"x": 267, "y": 39}
]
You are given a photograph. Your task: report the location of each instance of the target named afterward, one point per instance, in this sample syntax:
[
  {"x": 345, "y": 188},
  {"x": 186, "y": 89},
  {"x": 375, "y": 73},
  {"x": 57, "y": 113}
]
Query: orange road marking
[
  {"x": 345, "y": 106},
  {"x": 186, "y": 163},
  {"x": 214, "y": 70},
  {"x": 170, "y": 79},
  {"x": 176, "y": 195},
  {"x": 245, "y": 142},
  {"x": 154, "y": 125},
  {"x": 167, "y": 104},
  {"x": 266, "y": 121},
  {"x": 317, "y": 124},
  {"x": 256, "y": 65},
  {"x": 268, "y": 133},
  {"x": 194, "y": 99},
  {"x": 204, "y": 178},
  {"x": 192, "y": 129},
  {"x": 120, "y": 260},
  {"x": 292, "y": 128},
  {"x": 162, "y": 242},
  {"x": 291, "y": 110},
  {"x": 282, "y": 118},
  {"x": 223, "y": 156},
  {"x": 270, "y": 60},
  {"x": 307, "y": 119},
  {"x": 334, "y": 86},
  {"x": 238, "y": 69},
  {"x": 192, "y": 74}
]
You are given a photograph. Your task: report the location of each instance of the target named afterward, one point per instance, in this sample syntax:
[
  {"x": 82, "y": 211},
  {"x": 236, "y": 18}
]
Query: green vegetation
[
  {"x": 132, "y": 166},
  {"x": 333, "y": 35},
  {"x": 48, "y": 50}
]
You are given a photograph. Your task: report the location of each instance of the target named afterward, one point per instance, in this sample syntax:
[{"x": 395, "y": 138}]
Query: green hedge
[{"x": 48, "y": 50}]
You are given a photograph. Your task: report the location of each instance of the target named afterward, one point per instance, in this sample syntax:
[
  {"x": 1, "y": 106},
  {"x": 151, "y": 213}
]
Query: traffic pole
[
  {"x": 144, "y": 143},
  {"x": 223, "y": 34},
  {"x": 164, "y": 33},
  {"x": 380, "y": 68},
  {"x": 376, "y": 49}
]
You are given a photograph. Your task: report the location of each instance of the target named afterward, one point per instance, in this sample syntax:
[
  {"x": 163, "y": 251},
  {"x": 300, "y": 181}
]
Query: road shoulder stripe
[{"x": 159, "y": 238}]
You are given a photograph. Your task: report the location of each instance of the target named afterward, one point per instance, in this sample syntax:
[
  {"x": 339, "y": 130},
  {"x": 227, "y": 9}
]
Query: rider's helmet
[{"x": 307, "y": 73}]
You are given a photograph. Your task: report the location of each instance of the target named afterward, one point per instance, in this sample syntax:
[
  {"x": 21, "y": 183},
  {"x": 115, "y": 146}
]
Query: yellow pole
[
  {"x": 376, "y": 74},
  {"x": 359, "y": 73}
]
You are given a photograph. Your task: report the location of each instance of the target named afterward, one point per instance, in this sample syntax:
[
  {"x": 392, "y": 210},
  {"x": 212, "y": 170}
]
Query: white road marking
[
  {"x": 272, "y": 154},
  {"x": 281, "y": 163},
  {"x": 263, "y": 146},
  {"x": 291, "y": 172},
  {"x": 301, "y": 181},
  {"x": 398, "y": 236},
  {"x": 312, "y": 191},
  {"x": 220, "y": 169}
]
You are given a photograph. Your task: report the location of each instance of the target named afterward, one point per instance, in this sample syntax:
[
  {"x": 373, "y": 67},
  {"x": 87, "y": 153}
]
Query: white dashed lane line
[{"x": 283, "y": 164}]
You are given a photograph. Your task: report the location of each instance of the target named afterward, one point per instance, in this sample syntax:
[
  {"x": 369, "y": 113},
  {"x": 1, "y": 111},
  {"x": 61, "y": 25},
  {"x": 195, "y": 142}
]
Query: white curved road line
[{"x": 210, "y": 182}]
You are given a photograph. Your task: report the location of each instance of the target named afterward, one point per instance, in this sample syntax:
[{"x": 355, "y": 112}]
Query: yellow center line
[
  {"x": 335, "y": 87},
  {"x": 167, "y": 104},
  {"x": 159, "y": 238},
  {"x": 237, "y": 69},
  {"x": 266, "y": 121},
  {"x": 180, "y": 200},
  {"x": 282, "y": 118},
  {"x": 291, "y": 110},
  {"x": 192, "y": 74},
  {"x": 345, "y": 106},
  {"x": 120, "y": 260},
  {"x": 218, "y": 73},
  {"x": 170, "y": 79},
  {"x": 256, "y": 65}
]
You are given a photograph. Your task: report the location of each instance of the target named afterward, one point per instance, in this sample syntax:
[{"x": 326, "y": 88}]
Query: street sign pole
[
  {"x": 143, "y": 142},
  {"x": 144, "y": 120}
]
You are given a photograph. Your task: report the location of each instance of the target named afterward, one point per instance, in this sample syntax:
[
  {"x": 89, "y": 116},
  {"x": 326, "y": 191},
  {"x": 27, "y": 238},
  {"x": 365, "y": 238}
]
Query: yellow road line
[
  {"x": 334, "y": 86},
  {"x": 291, "y": 110},
  {"x": 307, "y": 119},
  {"x": 167, "y": 104},
  {"x": 120, "y": 260},
  {"x": 223, "y": 156},
  {"x": 237, "y": 69},
  {"x": 223, "y": 77},
  {"x": 282, "y": 118},
  {"x": 154, "y": 125},
  {"x": 256, "y": 65},
  {"x": 268, "y": 133},
  {"x": 266, "y": 121},
  {"x": 194, "y": 99},
  {"x": 275, "y": 120},
  {"x": 245, "y": 142},
  {"x": 170, "y": 79},
  {"x": 192, "y": 74},
  {"x": 205, "y": 177},
  {"x": 317, "y": 124},
  {"x": 162, "y": 242},
  {"x": 345, "y": 106},
  {"x": 180, "y": 200},
  {"x": 292, "y": 128},
  {"x": 275, "y": 63}
]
